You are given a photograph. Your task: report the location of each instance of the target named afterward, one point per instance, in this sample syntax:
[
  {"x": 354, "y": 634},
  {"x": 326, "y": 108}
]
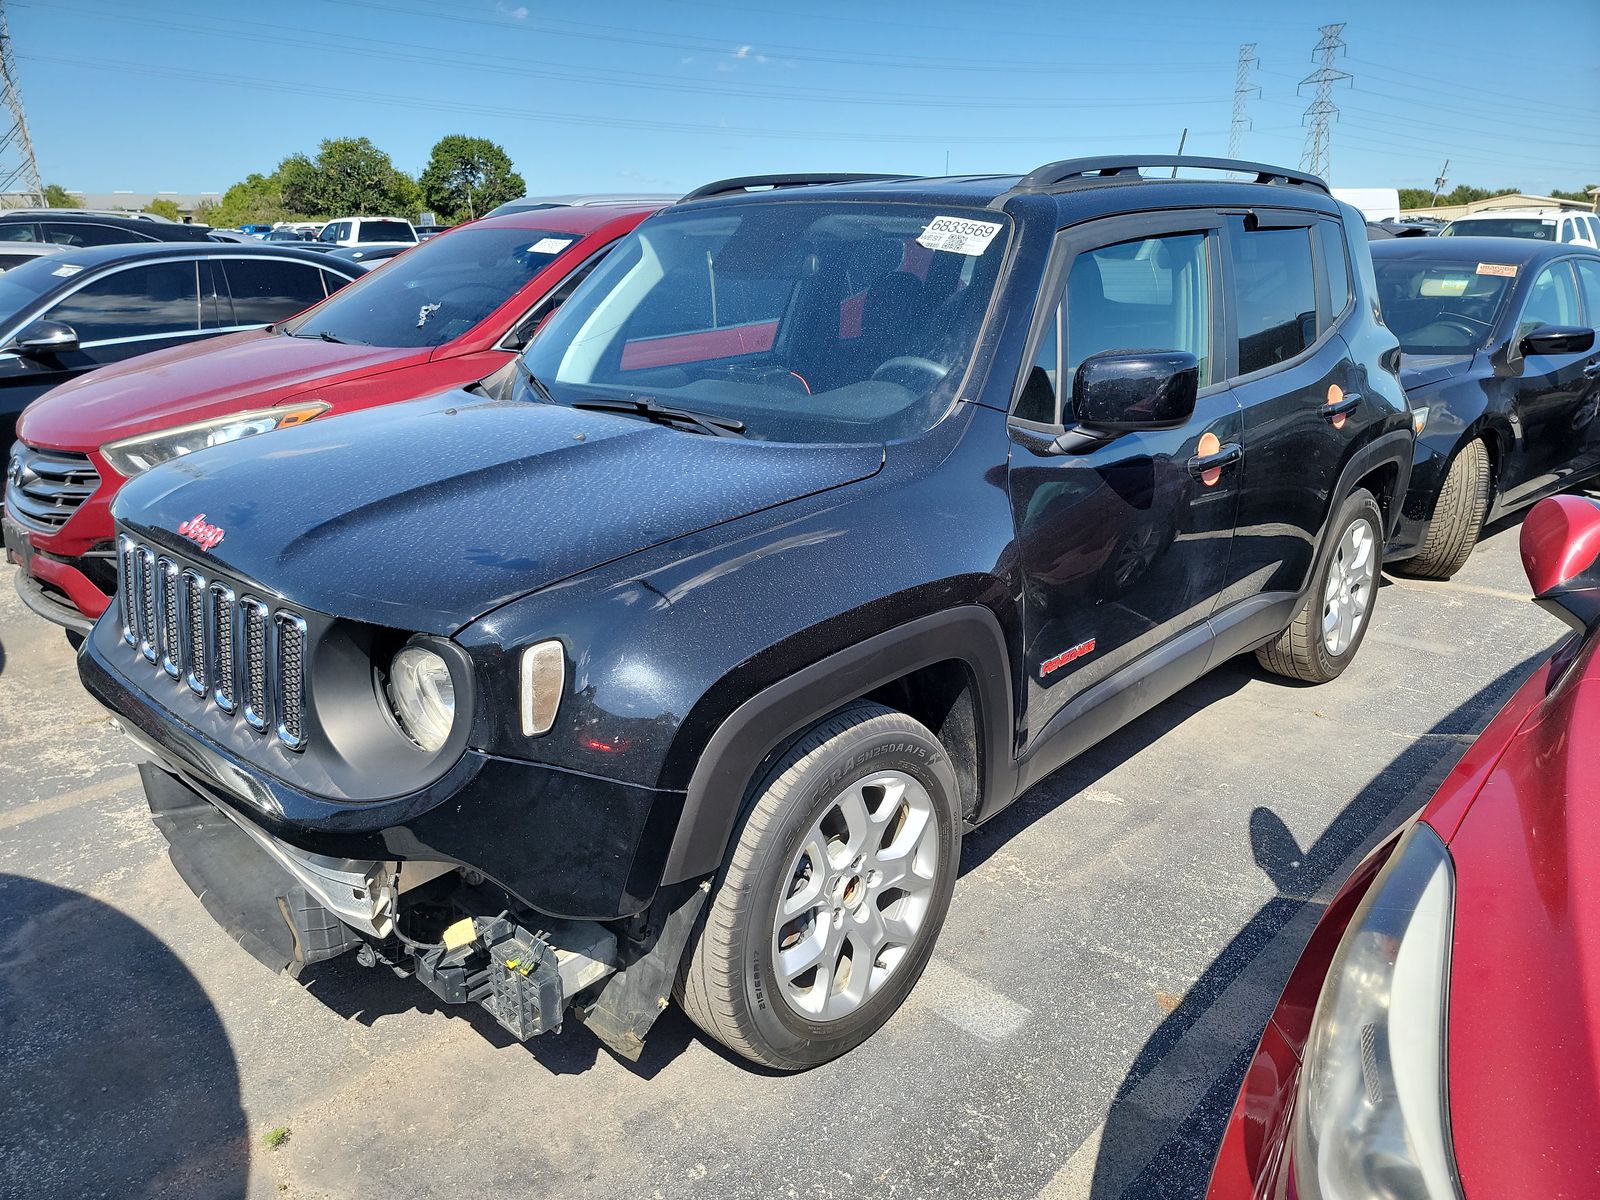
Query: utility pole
[
  {"x": 1242, "y": 91},
  {"x": 24, "y": 176},
  {"x": 1322, "y": 109},
  {"x": 1438, "y": 184}
]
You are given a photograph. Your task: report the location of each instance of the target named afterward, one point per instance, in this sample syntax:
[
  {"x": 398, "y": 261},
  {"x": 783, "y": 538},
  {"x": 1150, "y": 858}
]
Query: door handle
[
  {"x": 1592, "y": 369},
  {"x": 1332, "y": 412},
  {"x": 1201, "y": 464}
]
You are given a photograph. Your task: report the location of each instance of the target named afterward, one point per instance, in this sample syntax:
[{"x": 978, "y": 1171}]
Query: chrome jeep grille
[
  {"x": 45, "y": 487},
  {"x": 233, "y": 651}
]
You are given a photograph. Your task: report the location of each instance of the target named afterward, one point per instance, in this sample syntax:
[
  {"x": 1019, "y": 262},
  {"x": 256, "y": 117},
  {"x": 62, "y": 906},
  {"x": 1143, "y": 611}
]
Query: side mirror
[
  {"x": 45, "y": 338},
  {"x": 1122, "y": 391},
  {"x": 1560, "y": 542},
  {"x": 1558, "y": 339}
]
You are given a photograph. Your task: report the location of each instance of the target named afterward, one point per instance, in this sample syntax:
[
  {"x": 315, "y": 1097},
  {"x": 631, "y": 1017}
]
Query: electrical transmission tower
[
  {"x": 1322, "y": 110},
  {"x": 19, "y": 170},
  {"x": 1242, "y": 91}
]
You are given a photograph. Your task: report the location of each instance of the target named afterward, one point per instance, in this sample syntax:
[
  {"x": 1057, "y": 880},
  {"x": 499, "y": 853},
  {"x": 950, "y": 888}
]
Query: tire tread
[{"x": 1457, "y": 518}]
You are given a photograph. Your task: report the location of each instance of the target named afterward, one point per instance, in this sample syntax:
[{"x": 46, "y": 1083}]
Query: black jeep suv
[{"x": 823, "y": 519}]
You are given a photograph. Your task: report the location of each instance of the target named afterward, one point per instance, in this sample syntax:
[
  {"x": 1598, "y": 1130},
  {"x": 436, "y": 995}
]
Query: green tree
[
  {"x": 467, "y": 176},
  {"x": 254, "y": 199},
  {"x": 164, "y": 208},
  {"x": 56, "y": 196},
  {"x": 349, "y": 176}
]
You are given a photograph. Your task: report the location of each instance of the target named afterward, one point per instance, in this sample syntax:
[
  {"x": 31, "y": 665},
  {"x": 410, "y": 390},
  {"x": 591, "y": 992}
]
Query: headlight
[
  {"x": 423, "y": 696},
  {"x": 132, "y": 455},
  {"x": 1372, "y": 1118}
]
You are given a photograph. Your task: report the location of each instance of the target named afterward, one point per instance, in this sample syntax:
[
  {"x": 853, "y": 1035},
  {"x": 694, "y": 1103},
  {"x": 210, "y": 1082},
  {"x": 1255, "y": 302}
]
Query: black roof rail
[
  {"x": 750, "y": 183},
  {"x": 1068, "y": 170}
]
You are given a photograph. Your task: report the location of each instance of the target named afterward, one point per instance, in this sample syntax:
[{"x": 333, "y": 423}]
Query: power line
[
  {"x": 26, "y": 170},
  {"x": 1241, "y": 92},
  {"x": 1322, "y": 108}
]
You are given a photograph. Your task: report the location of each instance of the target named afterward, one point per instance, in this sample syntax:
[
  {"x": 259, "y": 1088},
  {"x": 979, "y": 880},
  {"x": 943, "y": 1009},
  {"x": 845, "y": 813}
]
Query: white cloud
[
  {"x": 520, "y": 11},
  {"x": 742, "y": 52}
]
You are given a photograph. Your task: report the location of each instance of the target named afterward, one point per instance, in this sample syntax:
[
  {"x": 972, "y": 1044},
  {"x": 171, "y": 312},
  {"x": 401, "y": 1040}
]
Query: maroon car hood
[
  {"x": 1524, "y": 1014},
  {"x": 191, "y": 383}
]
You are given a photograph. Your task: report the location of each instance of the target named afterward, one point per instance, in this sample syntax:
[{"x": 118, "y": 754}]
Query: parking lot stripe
[
  {"x": 72, "y": 799},
  {"x": 1450, "y": 585}
]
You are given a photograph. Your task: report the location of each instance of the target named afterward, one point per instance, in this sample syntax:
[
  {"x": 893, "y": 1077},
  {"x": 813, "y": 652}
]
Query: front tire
[
  {"x": 1326, "y": 633},
  {"x": 828, "y": 907},
  {"x": 1457, "y": 517}
]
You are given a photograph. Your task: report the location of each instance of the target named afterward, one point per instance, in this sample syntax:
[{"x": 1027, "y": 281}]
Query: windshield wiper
[
  {"x": 328, "y": 337},
  {"x": 705, "y": 422}
]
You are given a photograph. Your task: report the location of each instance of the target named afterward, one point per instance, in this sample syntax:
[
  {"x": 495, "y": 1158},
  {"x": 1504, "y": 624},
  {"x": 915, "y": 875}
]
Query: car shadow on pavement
[
  {"x": 1104, "y": 757},
  {"x": 1161, "y": 1134},
  {"x": 118, "y": 1077}
]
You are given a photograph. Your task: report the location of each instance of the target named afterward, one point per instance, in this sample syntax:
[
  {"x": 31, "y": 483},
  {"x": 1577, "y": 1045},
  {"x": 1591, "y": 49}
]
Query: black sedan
[
  {"x": 1500, "y": 364},
  {"x": 67, "y": 313},
  {"x": 76, "y": 228}
]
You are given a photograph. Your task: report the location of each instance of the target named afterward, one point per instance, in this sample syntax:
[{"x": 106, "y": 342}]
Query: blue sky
[{"x": 190, "y": 96}]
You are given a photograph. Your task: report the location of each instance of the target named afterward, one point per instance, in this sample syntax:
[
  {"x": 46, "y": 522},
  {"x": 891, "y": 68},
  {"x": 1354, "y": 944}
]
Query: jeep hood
[
  {"x": 209, "y": 378},
  {"x": 427, "y": 514}
]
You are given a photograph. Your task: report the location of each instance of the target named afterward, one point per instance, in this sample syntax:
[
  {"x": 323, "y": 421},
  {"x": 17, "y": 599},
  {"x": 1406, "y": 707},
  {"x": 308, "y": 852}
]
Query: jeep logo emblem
[{"x": 197, "y": 531}]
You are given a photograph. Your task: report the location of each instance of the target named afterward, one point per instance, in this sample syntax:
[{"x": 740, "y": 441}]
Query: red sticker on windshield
[{"x": 1507, "y": 270}]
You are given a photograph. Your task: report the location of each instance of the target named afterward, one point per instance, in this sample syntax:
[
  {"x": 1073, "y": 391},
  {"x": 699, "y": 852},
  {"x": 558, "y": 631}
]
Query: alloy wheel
[
  {"x": 1351, "y": 580},
  {"x": 856, "y": 895}
]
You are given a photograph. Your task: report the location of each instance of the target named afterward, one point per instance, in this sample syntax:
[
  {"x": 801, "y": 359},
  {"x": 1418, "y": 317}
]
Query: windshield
[
  {"x": 1521, "y": 227},
  {"x": 22, "y": 285},
  {"x": 806, "y": 321},
  {"x": 435, "y": 291},
  {"x": 1439, "y": 307}
]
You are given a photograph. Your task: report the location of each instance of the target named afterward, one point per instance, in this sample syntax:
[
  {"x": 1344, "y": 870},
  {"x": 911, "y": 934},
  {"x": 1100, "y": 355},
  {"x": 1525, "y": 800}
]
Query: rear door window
[
  {"x": 1275, "y": 295},
  {"x": 267, "y": 290},
  {"x": 19, "y": 231},
  {"x": 146, "y": 301}
]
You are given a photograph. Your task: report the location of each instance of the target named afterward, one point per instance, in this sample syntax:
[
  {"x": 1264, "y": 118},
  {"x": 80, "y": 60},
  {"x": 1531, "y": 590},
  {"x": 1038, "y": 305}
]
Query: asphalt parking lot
[{"x": 1116, "y": 941}]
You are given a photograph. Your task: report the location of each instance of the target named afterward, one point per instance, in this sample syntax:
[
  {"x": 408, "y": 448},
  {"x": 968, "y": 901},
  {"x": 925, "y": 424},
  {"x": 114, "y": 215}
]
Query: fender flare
[
  {"x": 715, "y": 800},
  {"x": 1394, "y": 447}
]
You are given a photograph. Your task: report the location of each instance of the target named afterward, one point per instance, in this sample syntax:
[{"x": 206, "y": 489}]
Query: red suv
[{"x": 452, "y": 310}]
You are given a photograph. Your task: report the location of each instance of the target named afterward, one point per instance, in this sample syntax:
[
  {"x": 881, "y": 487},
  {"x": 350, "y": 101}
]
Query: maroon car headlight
[
  {"x": 1372, "y": 1120},
  {"x": 133, "y": 455}
]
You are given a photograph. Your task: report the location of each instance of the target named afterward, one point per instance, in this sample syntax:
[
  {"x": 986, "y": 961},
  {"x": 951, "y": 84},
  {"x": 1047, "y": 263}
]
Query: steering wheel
[
  {"x": 1472, "y": 328},
  {"x": 911, "y": 364}
]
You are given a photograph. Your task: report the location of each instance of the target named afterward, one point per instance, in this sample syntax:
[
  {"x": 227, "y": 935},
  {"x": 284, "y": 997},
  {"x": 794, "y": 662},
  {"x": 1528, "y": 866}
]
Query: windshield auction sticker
[
  {"x": 1509, "y": 270},
  {"x": 549, "y": 245},
  {"x": 958, "y": 235}
]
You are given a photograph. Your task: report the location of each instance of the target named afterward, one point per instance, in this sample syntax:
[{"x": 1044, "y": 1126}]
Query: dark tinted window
[
  {"x": 439, "y": 289},
  {"x": 1147, "y": 294},
  {"x": 76, "y": 233},
  {"x": 386, "y": 231},
  {"x": 1275, "y": 301},
  {"x": 554, "y": 299},
  {"x": 1336, "y": 267},
  {"x": 332, "y": 282},
  {"x": 265, "y": 291},
  {"x": 18, "y": 231},
  {"x": 7, "y": 261},
  {"x": 139, "y": 301}
]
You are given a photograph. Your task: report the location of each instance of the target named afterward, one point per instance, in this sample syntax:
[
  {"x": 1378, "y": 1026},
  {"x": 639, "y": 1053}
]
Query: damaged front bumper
[{"x": 450, "y": 892}]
